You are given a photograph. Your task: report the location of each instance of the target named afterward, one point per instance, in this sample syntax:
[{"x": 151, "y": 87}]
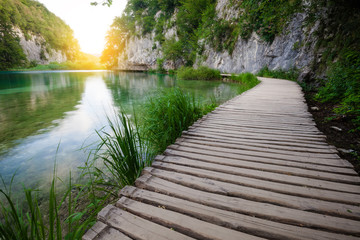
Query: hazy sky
[{"x": 89, "y": 23}]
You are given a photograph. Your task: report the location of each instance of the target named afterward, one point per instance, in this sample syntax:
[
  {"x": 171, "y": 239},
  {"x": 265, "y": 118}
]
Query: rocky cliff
[
  {"x": 30, "y": 34},
  {"x": 34, "y": 48},
  {"x": 294, "y": 47}
]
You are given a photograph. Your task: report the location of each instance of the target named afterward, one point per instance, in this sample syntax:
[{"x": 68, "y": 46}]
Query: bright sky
[{"x": 89, "y": 23}]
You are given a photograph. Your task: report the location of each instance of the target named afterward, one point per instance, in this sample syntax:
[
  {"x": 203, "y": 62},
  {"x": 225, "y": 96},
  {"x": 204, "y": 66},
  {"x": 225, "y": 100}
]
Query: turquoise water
[{"x": 48, "y": 115}]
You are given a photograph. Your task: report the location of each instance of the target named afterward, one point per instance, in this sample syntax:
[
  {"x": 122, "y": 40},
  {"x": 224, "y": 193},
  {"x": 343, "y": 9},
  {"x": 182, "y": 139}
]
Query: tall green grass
[
  {"x": 201, "y": 73},
  {"x": 166, "y": 115},
  {"x": 246, "y": 81},
  {"x": 123, "y": 151}
]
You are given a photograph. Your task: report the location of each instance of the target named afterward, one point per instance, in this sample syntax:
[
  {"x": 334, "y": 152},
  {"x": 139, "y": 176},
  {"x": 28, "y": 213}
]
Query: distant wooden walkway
[{"x": 255, "y": 168}]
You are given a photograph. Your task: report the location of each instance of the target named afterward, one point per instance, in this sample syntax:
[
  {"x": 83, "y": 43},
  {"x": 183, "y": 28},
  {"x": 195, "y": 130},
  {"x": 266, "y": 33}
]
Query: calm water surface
[{"x": 48, "y": 115}]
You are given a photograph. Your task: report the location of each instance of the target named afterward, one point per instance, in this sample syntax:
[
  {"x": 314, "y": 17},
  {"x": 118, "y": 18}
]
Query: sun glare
[{"x": 90, "y": 23}]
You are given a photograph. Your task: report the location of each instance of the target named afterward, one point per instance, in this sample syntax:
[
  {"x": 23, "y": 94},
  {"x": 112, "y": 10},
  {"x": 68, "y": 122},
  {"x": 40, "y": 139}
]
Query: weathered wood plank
[
  {"x": 261, "y": 144},
  {"x": 295, "y": 171},
  {"x": 230, "y": 174},
  {"x": 261, "y": 149},
  {"x": 261, "y": 210},
  {"x": 251, "y": 225},
  {"x": 179, "y": 222},
  {"x": 254, "y": 140},
  {"x": 102, "y": 231},
  {"x": 258, "y": 195},
  {"x": 259, "y": 127},
  {"x": 287, "y": 178},
  {"x": 259, "y": 134},
  {"x": 137, "y": 227},
  {"x": 256, "y": 156}
]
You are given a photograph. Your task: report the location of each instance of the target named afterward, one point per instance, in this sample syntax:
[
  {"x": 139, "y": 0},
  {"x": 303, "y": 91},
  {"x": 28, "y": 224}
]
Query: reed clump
[{"x": 167, "y": 114}]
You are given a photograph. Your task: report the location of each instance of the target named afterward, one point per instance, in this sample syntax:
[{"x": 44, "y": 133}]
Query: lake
[{"x": 53, "y": 115}]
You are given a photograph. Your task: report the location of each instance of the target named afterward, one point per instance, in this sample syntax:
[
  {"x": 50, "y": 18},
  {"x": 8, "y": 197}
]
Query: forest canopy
[{"x": 32, "y": 18}]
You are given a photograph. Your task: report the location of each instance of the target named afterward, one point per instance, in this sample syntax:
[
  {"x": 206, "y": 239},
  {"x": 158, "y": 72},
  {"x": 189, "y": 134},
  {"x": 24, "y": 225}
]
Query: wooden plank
[
  {"x": 230, "y": 174},
  {"x": 224, "y": 112},
  {"x": 256, "y": 136},
  {"x": 261, "y": 210},
  {"x": 102, "y": 231},
  {"x": 260, "y": 149},
  {"x": 295, "y": 171},
  {"x": 262, "y": 144},
  {"x": 240, "y": 222},
  {"x": 262, "y": 127},
  {"x": 258, "y": 195},
  {"x": 179, "y": 222},
  {"x": 284, "y": 155},
  {"x": 286, "y": 178},
  {"x": 137, "y": 227},
  {"x": 256, "y": 157},
  {"x": 250, "y": 129},
  {"x": 250, "y": 140},
  {"x": 264, "y": 133}
]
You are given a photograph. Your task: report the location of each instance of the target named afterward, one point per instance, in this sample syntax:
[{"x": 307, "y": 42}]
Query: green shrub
[
  {"x": 246, "y": 80},
  {"x": 292, "y": 74},
  {"x": 201, "y": 73},
  {"x": 343, "y": 86},
  {"x": 160, "y": 65}
]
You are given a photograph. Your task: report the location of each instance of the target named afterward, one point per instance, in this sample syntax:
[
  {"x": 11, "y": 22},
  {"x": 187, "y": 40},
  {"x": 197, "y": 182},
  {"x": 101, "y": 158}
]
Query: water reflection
[{"x": 41, "y": 111}]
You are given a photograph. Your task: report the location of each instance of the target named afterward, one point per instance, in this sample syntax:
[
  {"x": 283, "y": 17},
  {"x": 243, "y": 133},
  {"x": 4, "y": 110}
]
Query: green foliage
[
  {"x": 33, "y": 219},
  {"x": 173, "y": 50},
  {"x": 246, "y": 81},
  {"x": 291, "y": 74},
  {"x": 122, "y": 150},
  {"x": 32, "y": 18},
  {"x": 78, "y": 65},
  {"x": 160, "y": 65},
  {"x": 115, "y": 41},
  {"x": 343, "y": 85},
  {"x": 201, "y": 73},
  {"x": 11, "y": 53},
  {"x": 166, "y": 115}
]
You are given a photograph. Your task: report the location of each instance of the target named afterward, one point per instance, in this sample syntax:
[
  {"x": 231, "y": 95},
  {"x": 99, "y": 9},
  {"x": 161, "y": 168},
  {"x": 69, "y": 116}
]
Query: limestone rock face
[
  {"x": 294, "y": 48},
  {"x": 288, "y": 50},
  {"x": 140, "y": 54},
  {"x": 34, "y": 50}
]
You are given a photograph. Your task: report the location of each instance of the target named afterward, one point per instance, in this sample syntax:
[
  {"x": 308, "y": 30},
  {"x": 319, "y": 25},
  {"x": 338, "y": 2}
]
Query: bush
[
  {"x": 343, "y": 86},
  {"x": 160, "y": 65},
  {"x": 292, "y": 74},
  {"x": 202, "y": 73}
]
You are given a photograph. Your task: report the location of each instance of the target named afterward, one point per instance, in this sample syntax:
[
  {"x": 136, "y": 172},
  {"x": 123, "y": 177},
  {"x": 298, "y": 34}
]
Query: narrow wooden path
[{"x": 255, "y": 168}]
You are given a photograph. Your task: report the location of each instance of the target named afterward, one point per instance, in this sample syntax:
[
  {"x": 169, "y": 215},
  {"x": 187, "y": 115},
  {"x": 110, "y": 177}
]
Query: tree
[
  {"x": 115, "y": 42},
  {"x": 11, "y": 53},
  {"x": 173, "y": 50}
]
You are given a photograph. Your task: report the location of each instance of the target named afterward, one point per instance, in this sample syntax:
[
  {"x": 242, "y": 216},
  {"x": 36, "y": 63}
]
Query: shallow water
[{"x": 48, "y": 115}]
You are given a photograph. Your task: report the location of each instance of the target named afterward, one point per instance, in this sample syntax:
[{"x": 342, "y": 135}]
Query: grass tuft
[
  {"x": 123, "y": 151},
  {"x": 201, "y": 73},
  {"x": 166, "y": 115}
]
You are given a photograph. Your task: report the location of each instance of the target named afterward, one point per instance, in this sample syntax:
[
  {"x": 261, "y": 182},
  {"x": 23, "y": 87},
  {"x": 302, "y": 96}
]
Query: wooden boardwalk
[{"x": 255, "y": 168}]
